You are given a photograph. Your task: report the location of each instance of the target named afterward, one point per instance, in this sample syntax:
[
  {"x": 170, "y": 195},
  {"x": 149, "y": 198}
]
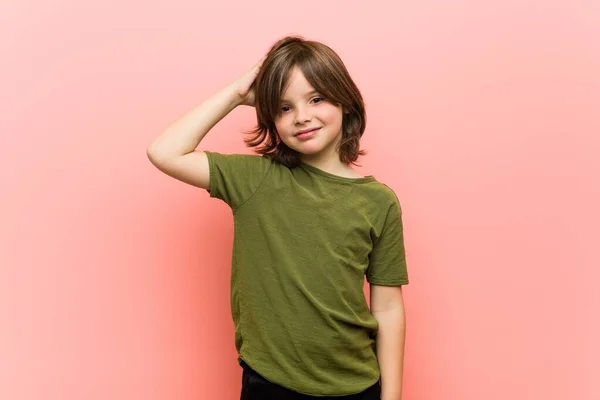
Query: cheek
[
  {"x": 282, "y": 125},
  {"x": 282, "y": 132},
  {"x": 279, "y": 129},
  {"x": 332, "y": 115}
]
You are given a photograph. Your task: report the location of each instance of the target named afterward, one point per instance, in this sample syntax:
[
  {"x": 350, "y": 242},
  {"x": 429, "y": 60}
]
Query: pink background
[{"x": 483, "y": 116}]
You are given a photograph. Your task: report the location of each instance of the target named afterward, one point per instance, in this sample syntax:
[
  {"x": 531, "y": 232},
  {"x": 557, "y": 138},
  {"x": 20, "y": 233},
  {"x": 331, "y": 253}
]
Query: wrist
[{"x": 233, "y": 96}]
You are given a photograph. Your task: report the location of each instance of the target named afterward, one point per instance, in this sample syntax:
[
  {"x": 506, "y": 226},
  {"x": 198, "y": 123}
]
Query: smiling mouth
[{"x": 305, "y": 132}]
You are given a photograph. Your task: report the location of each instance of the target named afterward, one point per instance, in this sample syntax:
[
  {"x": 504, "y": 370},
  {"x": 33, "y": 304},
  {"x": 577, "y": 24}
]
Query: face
[{"x": 303, "y": 108}]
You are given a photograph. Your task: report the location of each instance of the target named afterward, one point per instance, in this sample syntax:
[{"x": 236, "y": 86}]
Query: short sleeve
[
  {"x": 234, "y": 178},
  {"x": 387, "y": 261}
]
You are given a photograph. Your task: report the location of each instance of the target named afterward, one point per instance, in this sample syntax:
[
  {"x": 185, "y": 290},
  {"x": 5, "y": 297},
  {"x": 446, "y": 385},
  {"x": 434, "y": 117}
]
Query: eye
[{"x": 286, "y": 108}]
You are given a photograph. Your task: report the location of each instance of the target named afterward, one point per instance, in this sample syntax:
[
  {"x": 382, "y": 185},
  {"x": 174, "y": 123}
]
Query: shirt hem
[{"x": 240, "y": 358}]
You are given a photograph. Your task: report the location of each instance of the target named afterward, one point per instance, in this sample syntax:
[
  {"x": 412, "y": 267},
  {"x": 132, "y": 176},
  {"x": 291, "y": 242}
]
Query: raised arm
[{"x": 174, "y": 151}]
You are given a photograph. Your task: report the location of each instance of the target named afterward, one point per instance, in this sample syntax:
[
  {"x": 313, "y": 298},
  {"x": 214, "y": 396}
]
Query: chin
[{"x": 308, "y": 150}]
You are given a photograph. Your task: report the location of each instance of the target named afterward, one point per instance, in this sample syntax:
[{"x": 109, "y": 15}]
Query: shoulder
[
  {"x": 232, "y": 157},
  {"x": 238, "y": 161},
  {"x": 383, "y": 193}
]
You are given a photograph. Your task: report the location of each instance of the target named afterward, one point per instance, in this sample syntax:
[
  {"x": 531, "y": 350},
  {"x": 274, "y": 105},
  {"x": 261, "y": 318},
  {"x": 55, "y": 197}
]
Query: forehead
[{"x": 297, "y": 86}]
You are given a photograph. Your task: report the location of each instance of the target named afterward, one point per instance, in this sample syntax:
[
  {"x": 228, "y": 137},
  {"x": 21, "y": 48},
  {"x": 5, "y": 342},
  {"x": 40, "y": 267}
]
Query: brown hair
[{"x": 326, "y": 72}]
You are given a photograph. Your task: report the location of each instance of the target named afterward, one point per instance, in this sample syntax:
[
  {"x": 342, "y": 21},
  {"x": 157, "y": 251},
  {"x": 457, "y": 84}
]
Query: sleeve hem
[{"x": 388, "y": 283}]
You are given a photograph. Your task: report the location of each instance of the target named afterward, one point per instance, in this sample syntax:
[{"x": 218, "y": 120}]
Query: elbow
[
  {"x": 154, "y": 155},
  {"x": 150, "y": 153}
]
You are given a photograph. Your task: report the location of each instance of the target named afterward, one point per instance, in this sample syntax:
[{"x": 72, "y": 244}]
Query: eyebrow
[{"x": 306, "y": 94}]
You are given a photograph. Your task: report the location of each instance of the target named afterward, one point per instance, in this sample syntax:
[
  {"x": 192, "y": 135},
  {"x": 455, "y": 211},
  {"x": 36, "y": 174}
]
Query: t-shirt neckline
[{"x": 318, "y": 171}]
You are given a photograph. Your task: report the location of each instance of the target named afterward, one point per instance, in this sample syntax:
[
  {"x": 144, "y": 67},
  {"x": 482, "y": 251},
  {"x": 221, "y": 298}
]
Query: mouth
[{"x": 305, "y": 131}]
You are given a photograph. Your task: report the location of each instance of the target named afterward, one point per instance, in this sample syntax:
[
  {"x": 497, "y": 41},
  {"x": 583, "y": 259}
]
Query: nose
[{"x": 302, "y": 115}]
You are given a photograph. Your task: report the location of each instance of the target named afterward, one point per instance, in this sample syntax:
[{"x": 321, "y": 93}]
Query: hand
[{"x": 245, "y": 84}]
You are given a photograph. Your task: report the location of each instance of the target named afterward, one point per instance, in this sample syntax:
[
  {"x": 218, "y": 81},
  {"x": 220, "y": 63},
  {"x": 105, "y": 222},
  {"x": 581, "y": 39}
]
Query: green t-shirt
[{"x": 304, "y": 239}]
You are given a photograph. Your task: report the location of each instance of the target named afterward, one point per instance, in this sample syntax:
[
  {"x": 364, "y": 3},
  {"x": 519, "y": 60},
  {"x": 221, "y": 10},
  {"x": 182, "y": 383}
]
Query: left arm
[{"x": 387, "y": 306}]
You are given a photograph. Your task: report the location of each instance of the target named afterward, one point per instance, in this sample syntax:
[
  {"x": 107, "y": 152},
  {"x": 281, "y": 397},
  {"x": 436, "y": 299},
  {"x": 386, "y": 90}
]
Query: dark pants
[{"x": 255, "y": 387}]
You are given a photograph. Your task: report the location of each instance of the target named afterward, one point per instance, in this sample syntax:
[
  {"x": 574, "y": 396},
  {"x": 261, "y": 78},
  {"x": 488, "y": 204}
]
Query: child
[{"x": 308, "y": 228}]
